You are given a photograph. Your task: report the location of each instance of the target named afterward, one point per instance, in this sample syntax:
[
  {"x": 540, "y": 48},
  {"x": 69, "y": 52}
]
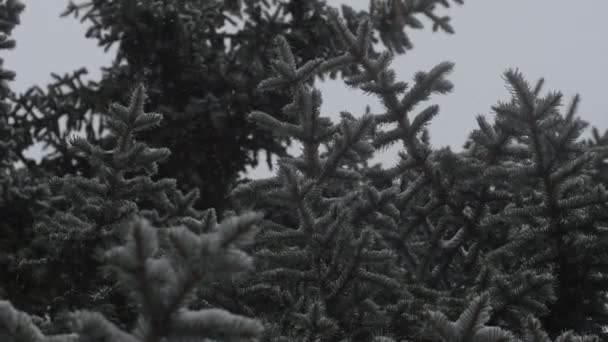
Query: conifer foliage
[
  {"x": 200, "y": 74},
  {"x": 9, "y": 12},
  {"x": 90, "y": 213},
  {"x": 162, "y": 286},
  {"x": 160, "y": 283},
  {"x": 435, "y": 223},
  {"x": 504, "y": 241},
  {"x": 10, "y": 15},
  {"x": 560, "y": 207},
  {"x": 10, "y": 18},
  {"x": 329, "y": 270},
  {"x": 22, "y": 194}
]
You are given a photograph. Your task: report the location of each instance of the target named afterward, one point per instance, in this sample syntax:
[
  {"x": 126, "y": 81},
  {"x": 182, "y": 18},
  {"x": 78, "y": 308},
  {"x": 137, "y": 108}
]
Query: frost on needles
[
  {"x": 353, "y": 252},
  {"x": 159, "y": 268},
  {"x": 328, "y": 275},
  {"x": 504, "y": 241}
]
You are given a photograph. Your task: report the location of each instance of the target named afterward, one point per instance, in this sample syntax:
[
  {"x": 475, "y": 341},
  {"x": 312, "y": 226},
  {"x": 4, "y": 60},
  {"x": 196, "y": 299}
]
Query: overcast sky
[{"x": 562, "y": 41}]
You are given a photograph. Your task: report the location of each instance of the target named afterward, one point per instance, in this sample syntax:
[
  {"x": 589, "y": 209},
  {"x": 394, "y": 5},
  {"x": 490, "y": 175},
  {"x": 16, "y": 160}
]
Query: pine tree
[
  {"x": 39, "y": 112},
  {"x": 534, "y": 333},
  {"x": 346, "y": 251},
  {"x": 470, "y": 325},
  {"x": 22, "y": 193},
  {"x": 159, "y": 268},
  {"x": 600, "y": 170},
  {"x": 202, "y": 77},
  {"x": 161, "y": 283},
  {"x": 552, "y": 141},
  {"x": 9, "y": 13},
  {"x": 87, "y": 213},
  {"x": 355, "y": 198},
  {"x": 448, "y": 205},
  {"x": 559, "y": 206},
  {"x": 90, "y": 211},
  {"x": 328, "y": 275}
]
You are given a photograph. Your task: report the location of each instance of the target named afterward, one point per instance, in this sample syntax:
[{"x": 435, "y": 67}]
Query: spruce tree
[
  {"x": 88, "y": 213},
  {"x": 160, "y": 268},
  {"x": 551, "y": 139},
  {"x": 442, "y": 246},
  {"x": 200, "y": 75},
  {"x": 323, "y": 178},
  {"x": 23, "y": 193},
  {"x": 161, "y": 284},
  {"x": 449, "y": 205},
  {"x": 9, "y": 12},
  {"x": 200, "y": 67},
  {"x": 327, "y": 273},
  {"x": 560, "y": 207}
]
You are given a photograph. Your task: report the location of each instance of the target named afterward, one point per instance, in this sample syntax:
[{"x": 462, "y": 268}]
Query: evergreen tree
[
  {"x": 346, "y": 251},
  {"x": 448, "y": 204},
  {"x": 22, "y": 193},
  {"x": 560, "y": 207},
  {"x": 470, "y": 325},
  {"x": 600, "y": 170},
  {"x": 161, "y": 284},
  {"x": 327, "y": 273},
  {"x": 534, "y": 333},
  {"x": 200, "y": 75},
  {"x": 160, "y": 269},
  {"x": 89, "y": 212},
  {"x": 330, "y": 185},
  {"x": 182, "y": 83},
  {"x": 9, "y": 13}
]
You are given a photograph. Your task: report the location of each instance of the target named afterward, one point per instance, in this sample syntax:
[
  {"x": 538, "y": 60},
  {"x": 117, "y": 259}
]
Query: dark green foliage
[
  {"x": 600, "y": 170},
  {"x": 534, "y": 333},
  {"x": 507, "y": 237},
  {"x": 470, "y": 325},
  {"x": 448, "y": 212},
  {"x": 93, "y": 215},
  {"x": 9, "y": 13},
  {"x": 201, "y": 77},
  {"x": 22, "y": 193},
  {"x": 89, "y": 213},
  {"x": 204, "y": 82},
  {"x": 161, "y": 284},
  {"x": 559, "y": 206},
  {"x": 327, "y": 275}
]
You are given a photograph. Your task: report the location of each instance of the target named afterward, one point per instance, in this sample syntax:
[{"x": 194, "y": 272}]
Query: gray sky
[{"x": 554, "y": 39}]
